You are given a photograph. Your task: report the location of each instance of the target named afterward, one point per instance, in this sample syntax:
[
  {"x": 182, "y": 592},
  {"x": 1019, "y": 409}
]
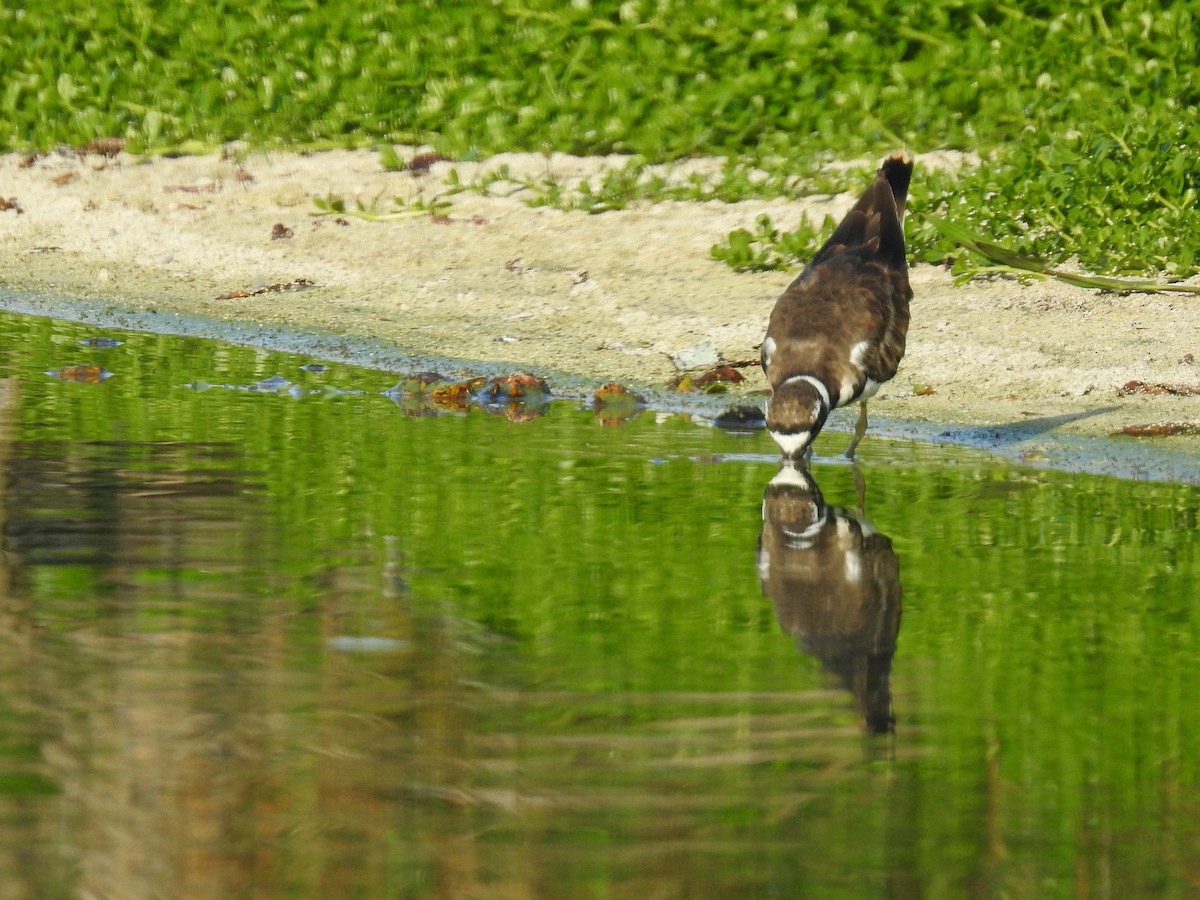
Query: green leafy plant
[
  {"x": 663, "y": 80},
  {"x": 639, "y": 181},
  {"x": 390, "y": 159},
  {"x": 768, "y": 248},
  {"x": 1084, "y": 112},
  {"x": 1120, "y": 201},
  {"x": 1005, "y": 260},
  {"x": 334, "y": 205}
]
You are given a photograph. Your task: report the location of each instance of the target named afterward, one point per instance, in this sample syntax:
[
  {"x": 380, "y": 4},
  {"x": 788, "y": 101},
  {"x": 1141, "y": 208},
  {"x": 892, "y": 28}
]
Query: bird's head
[{"x": 796, "y": 413}]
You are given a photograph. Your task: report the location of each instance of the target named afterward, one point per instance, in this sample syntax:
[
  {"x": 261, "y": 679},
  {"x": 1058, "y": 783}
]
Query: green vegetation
[
  {"x": 638, "y": 180},
  {"x": 769, "y": 248},
  {"x": 1123, "y": 201},
  {"x": 333, "y": 205},
  {"x": 1084, "y": 114}
]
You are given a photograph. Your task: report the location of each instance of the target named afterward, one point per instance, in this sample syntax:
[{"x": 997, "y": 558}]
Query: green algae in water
[{"x": 306, "y": 642}]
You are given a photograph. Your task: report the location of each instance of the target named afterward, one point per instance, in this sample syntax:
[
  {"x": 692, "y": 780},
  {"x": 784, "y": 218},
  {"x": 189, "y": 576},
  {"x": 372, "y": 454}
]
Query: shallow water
[{"x": 270, "y": 642}]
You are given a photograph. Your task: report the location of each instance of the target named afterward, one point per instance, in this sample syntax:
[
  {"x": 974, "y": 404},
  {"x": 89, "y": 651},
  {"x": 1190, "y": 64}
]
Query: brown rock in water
[
  {"x": 517, "y": 385},
  {"x": 741, "y": 418},
  {"x": 87, "y": 374},
  {"x": 614, "y": 403},
  {"x": 457, "y": 396}
]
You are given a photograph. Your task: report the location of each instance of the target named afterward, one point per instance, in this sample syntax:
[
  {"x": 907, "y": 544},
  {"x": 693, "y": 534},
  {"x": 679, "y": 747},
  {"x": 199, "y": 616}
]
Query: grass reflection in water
[{"x": 296, "y": 643}]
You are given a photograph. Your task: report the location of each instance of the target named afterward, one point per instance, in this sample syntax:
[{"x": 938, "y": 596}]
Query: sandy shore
[{"x": 606, "y": 297}]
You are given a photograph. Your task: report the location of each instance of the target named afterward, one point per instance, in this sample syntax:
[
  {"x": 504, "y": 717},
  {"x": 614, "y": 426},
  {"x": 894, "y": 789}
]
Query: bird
[
  {"x": 834, "y": 580},
  {"x": 837, "y": 332}
]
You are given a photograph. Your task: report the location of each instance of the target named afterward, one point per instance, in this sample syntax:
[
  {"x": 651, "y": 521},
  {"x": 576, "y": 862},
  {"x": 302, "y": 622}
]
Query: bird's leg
[
  {"x": 860, "y": 429},
  {"x": 860, "y": 488}
]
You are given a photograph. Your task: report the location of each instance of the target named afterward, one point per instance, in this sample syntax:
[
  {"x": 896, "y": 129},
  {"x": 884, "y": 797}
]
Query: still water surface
[{"x": 291, "y": 643}]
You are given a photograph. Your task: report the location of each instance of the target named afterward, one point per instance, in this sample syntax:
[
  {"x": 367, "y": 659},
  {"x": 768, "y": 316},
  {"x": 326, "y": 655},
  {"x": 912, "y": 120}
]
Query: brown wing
[
  {"x": 845, "y": 318},
  {"x": 847, "y": 300}
]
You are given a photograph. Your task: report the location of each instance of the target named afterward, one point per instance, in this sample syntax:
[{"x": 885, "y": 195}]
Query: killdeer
[
  {"x": 837, "y": 332},
  {"x": 835, "y": 583}
]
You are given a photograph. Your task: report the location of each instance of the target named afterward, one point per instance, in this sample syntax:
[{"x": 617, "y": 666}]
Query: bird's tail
[
  {"x": 896, "y": 172},
  {"x": 897, "y": 169},
  {"x": 877, "y": 218}
]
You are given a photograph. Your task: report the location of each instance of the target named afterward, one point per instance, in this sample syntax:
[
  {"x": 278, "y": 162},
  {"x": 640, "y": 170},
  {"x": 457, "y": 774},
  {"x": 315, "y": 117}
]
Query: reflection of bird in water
[
  {"x": 835, "y": 584},
  {"x": 838, "y": 330}
]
